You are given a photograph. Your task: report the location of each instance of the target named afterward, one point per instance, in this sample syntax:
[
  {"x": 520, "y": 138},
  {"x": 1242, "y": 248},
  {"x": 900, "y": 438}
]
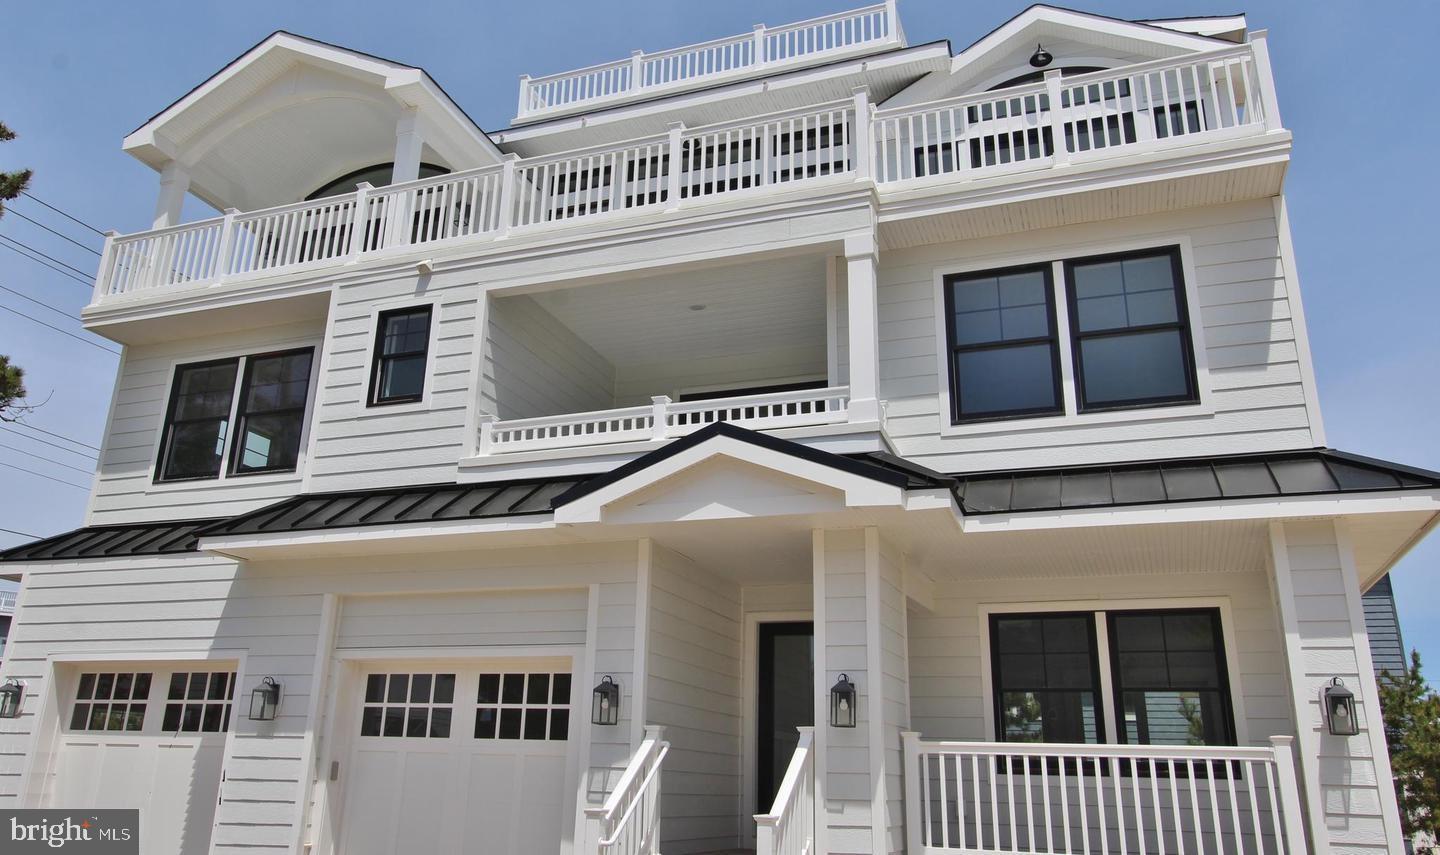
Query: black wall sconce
[
  {"x": 605, "y": 702},
  {"x": 11, "y": 694},
  {"x": 842, "y": 703},
  {"x": 265, "y": 700},
  {"x": 1340, "y": 709}
]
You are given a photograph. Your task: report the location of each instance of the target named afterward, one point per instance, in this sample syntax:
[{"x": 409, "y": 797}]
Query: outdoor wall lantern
[
  {"x": 605, "y": 706},
  {"x": 265, "y": 700},
  {"x": 11, "y": 694},
  {"x": 1041, "y": 57},
  {"x": 1340, "y": 709},
  {"x": 842, "y": 703}
]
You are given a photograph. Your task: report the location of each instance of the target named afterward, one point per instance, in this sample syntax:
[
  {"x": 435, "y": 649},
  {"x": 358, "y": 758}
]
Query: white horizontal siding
[
  {"x": 519, "y": 618},
  {"x": 536, "y": 366},
  {"x": 1257, "y": 400}
]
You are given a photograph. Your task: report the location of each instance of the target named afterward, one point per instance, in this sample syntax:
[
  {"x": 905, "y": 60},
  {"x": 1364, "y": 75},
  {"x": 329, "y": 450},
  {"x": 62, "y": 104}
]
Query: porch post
[
  {"x": 174, "y": 184},
  {"x": 408, "y": 144},
  {"x": 862, "y": 307}
]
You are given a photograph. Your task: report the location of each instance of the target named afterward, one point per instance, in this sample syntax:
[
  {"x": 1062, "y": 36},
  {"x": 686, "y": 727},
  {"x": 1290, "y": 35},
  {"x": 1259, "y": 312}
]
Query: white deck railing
[
  {"x": 1138, "y": 109},
  {"x": 709, "y": 62},
  {"x": 789, "y": 827},
  {"x": 629, "y": 821},
  {"x": 1145, "y": 799},
  {"x": 665, "y": 419},
  {"x": 7, "y": 602}
]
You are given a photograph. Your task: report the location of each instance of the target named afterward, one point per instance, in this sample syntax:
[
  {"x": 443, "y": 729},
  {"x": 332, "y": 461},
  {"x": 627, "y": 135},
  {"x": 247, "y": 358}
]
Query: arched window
[{"x": 378, "y": 175}]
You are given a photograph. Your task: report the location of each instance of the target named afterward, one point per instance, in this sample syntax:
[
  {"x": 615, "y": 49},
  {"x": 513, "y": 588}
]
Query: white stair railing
[
  {"x": 1011, "y": 797},
  {"x": 789, "y": 827},
  {"x": 629, "y": 821}
]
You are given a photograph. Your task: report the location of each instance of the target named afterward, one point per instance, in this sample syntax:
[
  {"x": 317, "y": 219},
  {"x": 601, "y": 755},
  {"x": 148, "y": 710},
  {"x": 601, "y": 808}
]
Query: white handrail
[
  {"x": 1004, "y": 797},
  {"x": 789, "y": 827},
  {"x": 629, "y": 821}
]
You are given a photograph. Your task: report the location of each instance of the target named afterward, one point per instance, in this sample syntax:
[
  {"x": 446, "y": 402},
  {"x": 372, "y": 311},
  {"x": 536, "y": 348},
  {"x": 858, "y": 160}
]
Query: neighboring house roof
[
  {"x": 1382, "y": 624},
  {"x": 1284, "y": 474}
]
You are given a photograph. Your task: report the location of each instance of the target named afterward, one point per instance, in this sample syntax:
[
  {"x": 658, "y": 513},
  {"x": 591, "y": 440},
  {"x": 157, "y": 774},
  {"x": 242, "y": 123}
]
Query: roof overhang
[{"x": 306, "y": 102}]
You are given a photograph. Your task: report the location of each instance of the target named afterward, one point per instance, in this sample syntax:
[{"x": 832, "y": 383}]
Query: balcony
[
  {"x": 646, "y": 75},
  {"x": 1140, "y": 111}
]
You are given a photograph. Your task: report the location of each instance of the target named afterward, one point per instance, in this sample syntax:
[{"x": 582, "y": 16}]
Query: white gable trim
[{"x": 859, "y": 490}]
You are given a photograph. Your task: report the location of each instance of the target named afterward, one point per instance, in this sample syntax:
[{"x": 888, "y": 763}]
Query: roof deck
[{"x": 764, "y": 50}]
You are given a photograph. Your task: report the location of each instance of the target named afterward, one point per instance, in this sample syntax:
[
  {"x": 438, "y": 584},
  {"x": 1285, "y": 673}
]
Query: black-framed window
[
  {"x": 1170, "y": 680},
  {"x": 1046, "y": 678},
  {"x": 1004, "y": 352},
  {"x": 271, "y": 417},
  {"x": 1129, "y": 330},
  {"x": 402, "y": 344},
  {"x": 197, "y": 421}
]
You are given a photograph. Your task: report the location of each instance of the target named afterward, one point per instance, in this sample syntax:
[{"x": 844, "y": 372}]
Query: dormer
[{"x": 293, "y": 119}]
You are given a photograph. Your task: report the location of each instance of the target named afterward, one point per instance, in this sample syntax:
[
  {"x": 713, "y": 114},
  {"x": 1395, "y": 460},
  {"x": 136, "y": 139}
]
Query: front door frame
[{"x": 750, "y": 719}]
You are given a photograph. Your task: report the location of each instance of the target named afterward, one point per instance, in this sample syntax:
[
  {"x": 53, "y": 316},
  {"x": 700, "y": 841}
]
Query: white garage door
[
  {"x": 147, "y": 739},
  {"x": 458, "y": 759}
]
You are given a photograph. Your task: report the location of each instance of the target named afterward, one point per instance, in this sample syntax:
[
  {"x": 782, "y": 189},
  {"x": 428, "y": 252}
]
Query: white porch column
[
  {"x": 862, "y": 308},
  {"x": 174, "y": 184},
  {"x": 408, "y": 144},
  {"x": 1349, "y": 801}
]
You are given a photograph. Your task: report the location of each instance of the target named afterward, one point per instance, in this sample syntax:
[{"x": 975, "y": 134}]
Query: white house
[{"x": 804, "y": 441}]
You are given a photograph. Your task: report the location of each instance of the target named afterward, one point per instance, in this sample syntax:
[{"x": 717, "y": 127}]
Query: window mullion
[{"x": 231, "y": 428}]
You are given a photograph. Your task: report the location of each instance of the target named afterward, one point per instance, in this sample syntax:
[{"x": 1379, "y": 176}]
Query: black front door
[{"x": 786, "y": 699}]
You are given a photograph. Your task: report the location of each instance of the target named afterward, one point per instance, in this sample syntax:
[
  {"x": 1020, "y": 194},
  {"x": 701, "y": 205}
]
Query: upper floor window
[
  {"x": 1128, "y": 337},
  {"x": 1131, "y": 341},
  {"x": 1004, "y": 355},
  {"x": 378, "y": 175},
  {"x": 268, "y": 418},
  {"x": 402, "y": 345}
]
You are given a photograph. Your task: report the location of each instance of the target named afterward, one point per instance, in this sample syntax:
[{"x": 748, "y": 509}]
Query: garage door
[
  {"x": 149, "y": 739},
  {"x": 458, "y": 759}
]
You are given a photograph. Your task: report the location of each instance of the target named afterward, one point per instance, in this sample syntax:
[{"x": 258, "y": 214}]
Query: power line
[
  {"x": 56, "y": 435},
  {"x": 38, "y": 303},
  {"x": 24, "y": 245},
  {"x": 47, "y": 459},
  {"x": 46, "y": 477},
  {"x": 62, "y": 332},
  {"x": 50, "y": 230},
  {"x": 21, "y": 533},
  {"x": 83, "y": 454},
  {"x": 72, "y": 277},
  {"x": 63, "y": 214}
]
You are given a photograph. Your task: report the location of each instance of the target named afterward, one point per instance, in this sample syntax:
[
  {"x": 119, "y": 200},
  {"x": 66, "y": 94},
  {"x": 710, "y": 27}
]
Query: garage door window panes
[
  {"x": 413, "y": 705},
  {"x": 199, "y": 702},
  {"x": 110, "y": 701},
  {"x": 523, "y": 706}
]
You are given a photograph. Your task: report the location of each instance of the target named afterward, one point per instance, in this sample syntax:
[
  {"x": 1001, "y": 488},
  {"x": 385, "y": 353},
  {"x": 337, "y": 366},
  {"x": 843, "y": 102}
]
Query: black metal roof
[
  {"x": 113, "y": 541},
  {"x": 389, "y": 506},
  {"x": 1310, "y": 472}
]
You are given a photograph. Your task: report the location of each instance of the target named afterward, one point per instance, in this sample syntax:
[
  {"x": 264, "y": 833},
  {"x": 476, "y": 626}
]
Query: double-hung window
[
  {"x": 402, "y": 345},
  {"x": 262, "y": 429},
  {"x": 1166, "y": 672},
  {"x": 1004, "y": 357}
]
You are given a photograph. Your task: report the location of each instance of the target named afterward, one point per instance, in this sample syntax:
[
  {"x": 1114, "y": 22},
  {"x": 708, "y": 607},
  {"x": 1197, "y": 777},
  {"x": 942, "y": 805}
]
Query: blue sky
[{"x": 1362, "y": 186}]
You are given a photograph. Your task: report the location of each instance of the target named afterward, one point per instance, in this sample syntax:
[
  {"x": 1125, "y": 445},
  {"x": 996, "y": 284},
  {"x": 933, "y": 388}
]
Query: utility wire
[
  {"x": 72, "y": 277},
  {"x": 84, "y": 454},
  {"x": 51, "y": 231},
  {"x": 95, "y": 345},
  {"x": 38, "y": 302},
  {"x": 47, "y": 459},
  {"x": 63, "y": 214},
  {"x": 9, "y": 239},
  {"x": 56, "y": 435},
  {"x": 46, "y": 477},
  {"x": 21, "y": 533}
]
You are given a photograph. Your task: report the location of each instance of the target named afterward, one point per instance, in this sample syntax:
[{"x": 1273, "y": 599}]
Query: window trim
[
  {"x": 952, "y": 349},
  {"x": 375, "y": 356},
  {"x": 996, "y": 694},
  {"x": 1229, "y": 655},
  {"x": 233, "y": 448},
  {"x": 1182, "y": 323},
  {"x": 1204, "y": 409},
  {"x": 1117, "y": 690}
]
